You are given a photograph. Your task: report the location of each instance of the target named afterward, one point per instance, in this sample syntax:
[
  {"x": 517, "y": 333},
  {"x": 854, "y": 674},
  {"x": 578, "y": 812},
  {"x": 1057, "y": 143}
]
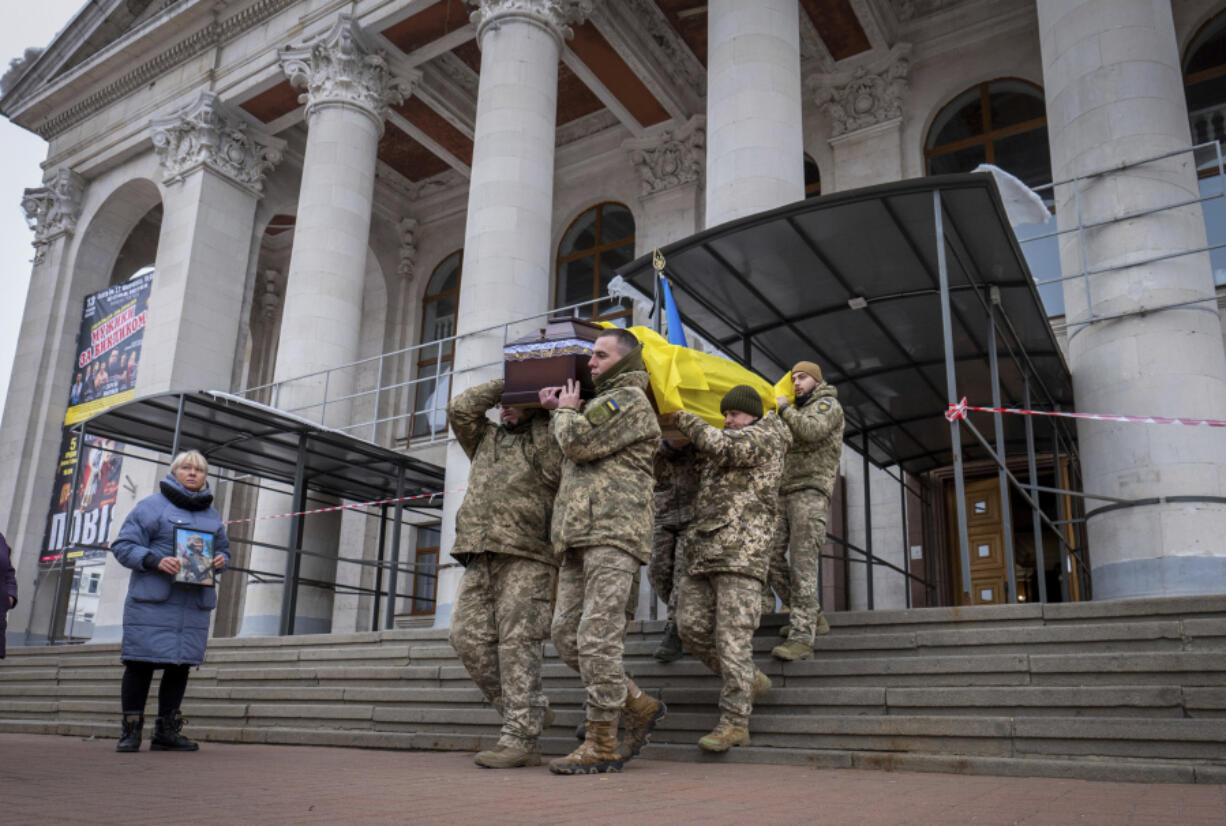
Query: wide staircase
[{"x": 1130, "y": 690}]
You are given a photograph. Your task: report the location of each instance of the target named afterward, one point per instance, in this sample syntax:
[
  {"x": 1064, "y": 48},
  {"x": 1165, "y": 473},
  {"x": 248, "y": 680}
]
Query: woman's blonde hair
[{"x": 193, "y": 456}]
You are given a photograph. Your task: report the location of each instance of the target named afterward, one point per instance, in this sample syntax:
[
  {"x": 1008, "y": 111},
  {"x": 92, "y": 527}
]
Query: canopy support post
[
  {"x": 1006, "y": 510},
  {"x": 293, "y": 561},
  {"x": 393, "y": 571},
  {"x": 1031, "y": 469}
]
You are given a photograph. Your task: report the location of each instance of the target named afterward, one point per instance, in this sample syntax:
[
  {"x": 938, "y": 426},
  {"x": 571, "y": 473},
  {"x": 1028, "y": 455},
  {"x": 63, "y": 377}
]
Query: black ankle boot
[
  {"x": 129, "y": 740},
  {"x": 670, "y": 647},
  {"x": 166, "y": 736}
]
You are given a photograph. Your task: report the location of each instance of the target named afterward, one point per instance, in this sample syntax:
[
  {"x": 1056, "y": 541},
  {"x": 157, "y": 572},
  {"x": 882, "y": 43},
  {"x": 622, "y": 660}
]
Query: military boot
[
  {"x": 792, "y": 650},
  {"x": 784, "y": 630},
  {"x": 670, "y": 647},
  {"x": 823, "y": 627},
  {"x": 597, "y": 754},
  {"x": 167, "y": 734},
  {"x": 723, "y": 737},
  {"x": 509, "y": 753},
  {"x": 129, "y": 739},
  {"x": 639, "y": 717},
  {"x": 761, "y": 685},
  {"x": 581, "y": 731}
]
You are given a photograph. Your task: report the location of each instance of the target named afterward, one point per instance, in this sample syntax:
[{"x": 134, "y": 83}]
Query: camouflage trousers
[
  {"x": 500, "y": 619},
  {"x": 716, "y": 616},
  {"x": 802, "y": 524},
  {"x": 667, "y": 562},
  {"x": 589, "y": 623}
]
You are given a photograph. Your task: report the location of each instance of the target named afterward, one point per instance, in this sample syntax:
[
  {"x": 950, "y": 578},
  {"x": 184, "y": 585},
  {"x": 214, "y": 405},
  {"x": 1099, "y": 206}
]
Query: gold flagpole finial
[{"x": 657, "y": 260}]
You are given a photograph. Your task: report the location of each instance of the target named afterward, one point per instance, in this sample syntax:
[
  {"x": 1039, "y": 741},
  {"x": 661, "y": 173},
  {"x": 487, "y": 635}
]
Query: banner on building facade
[
  {"x": 108, "y": 348},
  {"x": 94, "y": 503},
  {"x": 104, "y": 375}
]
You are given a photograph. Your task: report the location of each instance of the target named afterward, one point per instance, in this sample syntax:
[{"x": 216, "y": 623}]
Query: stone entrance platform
[{"x": 55, "y": 779}]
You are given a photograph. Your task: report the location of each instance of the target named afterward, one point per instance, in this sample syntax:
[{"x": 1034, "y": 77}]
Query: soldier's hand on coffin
[
  {"x": 570, "y": 396},
  {"x": 549, "y": 397},
  {"x": 782, "y": 401}
]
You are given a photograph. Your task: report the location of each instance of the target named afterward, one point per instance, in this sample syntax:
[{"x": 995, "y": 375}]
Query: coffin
[{"x": 555, "y": 353}]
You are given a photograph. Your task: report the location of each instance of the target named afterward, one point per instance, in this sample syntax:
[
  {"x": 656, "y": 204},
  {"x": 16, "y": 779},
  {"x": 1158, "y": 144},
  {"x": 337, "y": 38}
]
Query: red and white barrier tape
[
  {"x": 353, "y": 506},
  {"x": 959, "y": 411}
]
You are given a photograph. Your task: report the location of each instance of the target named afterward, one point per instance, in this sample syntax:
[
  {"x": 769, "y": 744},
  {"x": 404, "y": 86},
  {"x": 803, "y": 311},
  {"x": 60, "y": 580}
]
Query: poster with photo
[
  {"x": 97, "y": 488},
  {"x": 194, "y": 550},
  {"x": 108, "y": 348}
]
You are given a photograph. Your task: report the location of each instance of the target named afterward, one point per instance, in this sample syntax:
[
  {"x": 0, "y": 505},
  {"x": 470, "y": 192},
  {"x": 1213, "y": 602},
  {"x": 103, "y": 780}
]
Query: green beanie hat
[{"x": 743, "y": 398}]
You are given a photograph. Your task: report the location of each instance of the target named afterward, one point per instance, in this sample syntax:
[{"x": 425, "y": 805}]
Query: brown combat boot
[
  {"x": 761, "y": 685},
  {"x": 725, "y": 736},
  {"x": 510, "y": 753},
  {"x": 597, "y": 754},
  {"x": 823, "y": 627},
  {"x": 792, "y": 650},
  {"x": 639, "y": 716}
]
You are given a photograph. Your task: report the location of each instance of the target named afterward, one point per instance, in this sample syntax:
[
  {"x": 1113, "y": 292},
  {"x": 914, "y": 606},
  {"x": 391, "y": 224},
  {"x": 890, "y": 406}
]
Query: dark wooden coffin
[{"x": 557, "y": 352}]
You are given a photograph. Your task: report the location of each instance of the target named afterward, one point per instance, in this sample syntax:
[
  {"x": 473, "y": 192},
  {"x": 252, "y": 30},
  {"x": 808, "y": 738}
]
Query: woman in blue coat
[{"x": 165, "y": 623}]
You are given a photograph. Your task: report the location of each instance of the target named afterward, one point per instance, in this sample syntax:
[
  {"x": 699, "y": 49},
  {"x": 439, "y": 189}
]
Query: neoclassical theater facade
[{"x": 318, "y": 182}]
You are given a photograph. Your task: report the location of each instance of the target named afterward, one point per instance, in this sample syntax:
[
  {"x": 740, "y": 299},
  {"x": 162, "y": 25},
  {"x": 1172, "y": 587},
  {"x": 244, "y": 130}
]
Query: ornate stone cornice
[
  {"x": 344, "y": 67},
  {"x": 52, "y": 210},
  {"x": 674, "y": 51},
  {"x": 867, "y": 95},
  {"x": 214, "y": 33},
  {"x": 670, "y": 159},
  {"x": 407, "y": 229},
  {"x": 554, "y": 16},
  {"x": 206, "y": 132}
]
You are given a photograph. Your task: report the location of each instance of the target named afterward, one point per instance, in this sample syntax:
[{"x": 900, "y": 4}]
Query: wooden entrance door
[{"x": 986, "y": 534}]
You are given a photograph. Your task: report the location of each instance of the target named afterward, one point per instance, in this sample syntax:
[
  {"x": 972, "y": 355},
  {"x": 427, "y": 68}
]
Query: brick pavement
[{"x": 50, "y": 779}]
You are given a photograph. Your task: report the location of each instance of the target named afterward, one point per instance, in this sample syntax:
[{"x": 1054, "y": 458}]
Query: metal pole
[
  {"x": 389, "y": 610},
  {"x": 1006, "y": 511},
  {"x": 374, "y": 614},
  {"x": 1055, "y": 451},
  {"x": 174, "y": 444},
  {"x": 868, "y": 522},
  {"x": 655, "y": 303},
  {"x": 951, "y": 391},
  {"x": 62, "y": 562},
  {"x": 289, "y": 592},
  {"x": 930, "y": 567},
  {"x": 1031, "y": 469},
  {"x": 906, "y": 539}
]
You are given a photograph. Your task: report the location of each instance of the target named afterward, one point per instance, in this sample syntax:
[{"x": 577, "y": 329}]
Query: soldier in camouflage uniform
[
  {"x": 676, "y": 486},
  {"x": 502, "y": 608},
  {"x": 602, "y": 530},
  {"x": 726, "y": 550},
  {"x": 809, "y": 473}
]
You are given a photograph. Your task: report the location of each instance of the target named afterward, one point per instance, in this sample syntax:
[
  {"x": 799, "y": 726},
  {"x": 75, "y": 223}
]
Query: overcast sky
[{"x": 25, "y": 24}]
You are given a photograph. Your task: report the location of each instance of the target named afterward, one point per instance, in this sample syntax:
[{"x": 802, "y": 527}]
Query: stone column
[
  {"x": 213, "y": 168},
  {"x": 349, "y": 86},
  {"x": 864, "y": 108},
  {"x": 670, "y": 167},
  {"x": 34, "y": 407},
  {"x": 1115, "y": 96},
  {"x": 507, "y": 243},
  {"x": 755, "y": 152}
]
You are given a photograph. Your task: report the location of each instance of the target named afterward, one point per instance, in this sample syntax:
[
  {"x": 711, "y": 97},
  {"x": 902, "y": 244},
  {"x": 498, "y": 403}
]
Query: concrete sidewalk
[{"x": 51, "y": 779}]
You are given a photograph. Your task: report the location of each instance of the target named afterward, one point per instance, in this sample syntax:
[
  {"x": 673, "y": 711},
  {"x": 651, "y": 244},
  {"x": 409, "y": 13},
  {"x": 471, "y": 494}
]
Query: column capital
[
  {"x": 554, "y": 16},
  {"x": 407, "y": 230},
  {"x": 207, "y": 133},
  {"x": 345, "y": 67},
  {"x": 52, "y": 210},
  {"x": 868, "y": 95},
  {"x": 670, "y": 159}
]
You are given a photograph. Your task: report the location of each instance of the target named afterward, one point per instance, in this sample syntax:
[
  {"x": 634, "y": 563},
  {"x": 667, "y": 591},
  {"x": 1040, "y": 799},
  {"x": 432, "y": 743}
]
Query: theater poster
[
  {"x": 108, "y": 348},
  {"x": 104, "y": 375}
]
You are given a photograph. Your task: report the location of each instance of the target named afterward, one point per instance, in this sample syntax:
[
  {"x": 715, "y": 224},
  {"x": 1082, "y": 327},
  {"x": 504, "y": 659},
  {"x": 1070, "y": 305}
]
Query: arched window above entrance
[
  {"x": 439, "y": 306},
  {"x": 593, "y": 248},
  {"x": 1001, "y": 122},
  {"x": 1204, "y": 78}
]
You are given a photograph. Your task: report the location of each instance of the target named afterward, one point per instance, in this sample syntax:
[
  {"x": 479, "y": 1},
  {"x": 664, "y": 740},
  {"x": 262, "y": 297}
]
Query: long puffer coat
[{"x": 166, "y": 621}]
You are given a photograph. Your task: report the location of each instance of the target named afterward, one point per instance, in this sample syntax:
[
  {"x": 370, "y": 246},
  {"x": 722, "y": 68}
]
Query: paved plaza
[{"x": 50, "y": 779}]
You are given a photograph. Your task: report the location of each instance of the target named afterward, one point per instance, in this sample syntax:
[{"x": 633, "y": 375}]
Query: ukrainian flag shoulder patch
[{"x": 601, "y": 413}]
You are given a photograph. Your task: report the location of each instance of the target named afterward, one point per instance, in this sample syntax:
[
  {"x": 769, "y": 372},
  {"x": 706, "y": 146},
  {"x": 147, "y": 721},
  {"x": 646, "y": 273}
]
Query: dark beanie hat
[{"x": 743, "y": 398}]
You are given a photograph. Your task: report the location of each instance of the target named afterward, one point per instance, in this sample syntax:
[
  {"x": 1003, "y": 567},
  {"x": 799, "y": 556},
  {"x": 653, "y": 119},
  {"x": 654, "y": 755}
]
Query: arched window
[
  {"x": 438, "y": 318},
  {"x": 1204, "y": 78},
  {"x": 813, "y": 178},
  {"x": 1001, "y": 122},
  {"x": 594, "y": 247}
]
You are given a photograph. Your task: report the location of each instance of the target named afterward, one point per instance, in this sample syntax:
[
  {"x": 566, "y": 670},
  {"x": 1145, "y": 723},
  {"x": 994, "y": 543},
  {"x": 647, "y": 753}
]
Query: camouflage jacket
[
  {"x": 734, "y": 522},
  {"x": 676, "y": 470},
  {"x": 511, "y": 482},
  {"x": 605, "y": 497},
  {"x": 817, "y": 442}
]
